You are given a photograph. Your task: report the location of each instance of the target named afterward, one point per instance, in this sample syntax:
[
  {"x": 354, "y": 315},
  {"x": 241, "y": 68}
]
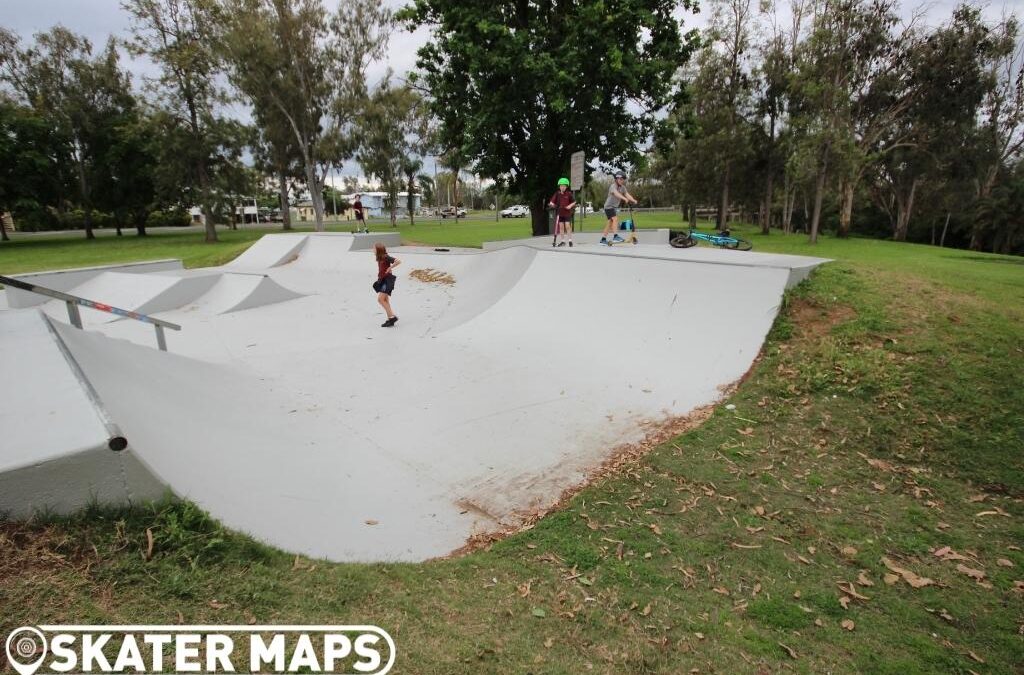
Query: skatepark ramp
[
  {"x": 234, "y": 292},
  {"x": 497, "y": 390},
  {"x": 274, "y": 250},
  {"x": 60, "y": 449},
  {"x": 216, "y": 293}
]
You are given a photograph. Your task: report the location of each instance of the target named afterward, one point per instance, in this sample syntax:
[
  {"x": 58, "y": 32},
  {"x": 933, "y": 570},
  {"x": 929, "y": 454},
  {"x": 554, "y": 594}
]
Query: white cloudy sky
[{"x": 98, "y": 19}]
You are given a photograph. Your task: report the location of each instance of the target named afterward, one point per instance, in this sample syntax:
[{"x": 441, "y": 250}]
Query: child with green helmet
[{"x": 563, "y": 202}]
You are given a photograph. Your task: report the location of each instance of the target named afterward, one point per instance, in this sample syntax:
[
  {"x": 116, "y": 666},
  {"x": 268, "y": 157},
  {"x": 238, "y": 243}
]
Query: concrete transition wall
[
  {"x": 287, "y": 412},
  {"x": 55, "y": 453},
  {"x": 65, "y": 280}
]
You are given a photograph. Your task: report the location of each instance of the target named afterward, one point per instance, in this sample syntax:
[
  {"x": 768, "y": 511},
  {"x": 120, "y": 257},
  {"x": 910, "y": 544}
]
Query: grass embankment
[{"x": 859, "y": 511}]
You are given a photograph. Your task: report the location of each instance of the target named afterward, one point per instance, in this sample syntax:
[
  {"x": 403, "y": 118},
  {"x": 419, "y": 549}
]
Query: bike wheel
[
  {"x": 682, "y": 241},
  {"x": 739, "y": 245}
]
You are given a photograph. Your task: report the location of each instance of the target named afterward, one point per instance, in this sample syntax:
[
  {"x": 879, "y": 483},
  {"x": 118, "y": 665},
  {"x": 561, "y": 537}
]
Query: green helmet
[{"x": 563, "y": 181}]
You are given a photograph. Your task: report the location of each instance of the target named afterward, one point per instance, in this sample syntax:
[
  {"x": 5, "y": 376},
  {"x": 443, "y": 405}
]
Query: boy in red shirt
[{"x": 563, "y": 203}]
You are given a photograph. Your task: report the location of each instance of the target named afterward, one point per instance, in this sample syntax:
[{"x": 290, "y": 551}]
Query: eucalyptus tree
[
  {"x": 304, "y": 71},
  {"x": 179, "y": 37},
  {"x": 388, "y": 130},
  {"x": 999, "y": 138},
  {"x": 276, "y": 154},
  {"x": 946, "y": 72},
  {"x": 849, "y": 84}
]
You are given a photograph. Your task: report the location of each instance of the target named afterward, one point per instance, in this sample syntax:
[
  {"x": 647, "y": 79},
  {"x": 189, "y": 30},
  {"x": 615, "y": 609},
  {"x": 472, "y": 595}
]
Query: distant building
[
  {"x": 243, "y": 214},
  {"x": 375, "y": 203}
]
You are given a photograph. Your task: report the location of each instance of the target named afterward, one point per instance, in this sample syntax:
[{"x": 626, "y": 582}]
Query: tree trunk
[
  {"x": 201, "y": 174},
  {"x": 204, "y": 198},
  {"x": 845, "y": 207},
  {"x": 410, "y": 198},
  {"x": 766, "y": 221},
  {"x": 942, "y": 239},
  {"x": 819, "y": 193},
  {"x": 723, "y": 206},
  {"x": 539, "y": 217},
  {"x": 903, "y": 211},
  {"x": 83, "y": 191},
  {"x": 393, "y": 198},
  {"x": 978, "y": 229},
  {"x": 315, "y": 192},
  {"x": 455, "y": 187},
  {"x": 693, "y": 216},
  {"x": 282, "y": 192},
  {"x": 788, "y": 202},
  {"x": 3, "y": 227}
]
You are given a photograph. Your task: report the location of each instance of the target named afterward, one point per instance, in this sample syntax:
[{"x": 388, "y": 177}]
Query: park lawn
[
  {"x": 52, "y": 251},
  {"x": 35, "y": 253},
  {"x": 883, "y": 423}
]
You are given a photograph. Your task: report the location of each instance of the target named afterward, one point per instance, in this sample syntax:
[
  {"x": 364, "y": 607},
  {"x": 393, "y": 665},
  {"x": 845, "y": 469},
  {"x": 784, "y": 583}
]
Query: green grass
[
  {"x": 734, "y": 536},
  {"x": 51, "y": 251}
]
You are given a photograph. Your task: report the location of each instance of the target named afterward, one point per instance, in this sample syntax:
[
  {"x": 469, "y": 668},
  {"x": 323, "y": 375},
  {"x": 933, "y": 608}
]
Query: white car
[{"x": 517, "y": 211}]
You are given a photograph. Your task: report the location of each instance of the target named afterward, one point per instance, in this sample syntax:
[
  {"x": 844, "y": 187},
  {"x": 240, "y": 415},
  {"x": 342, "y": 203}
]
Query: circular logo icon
[{"x": 26, "y": 649}]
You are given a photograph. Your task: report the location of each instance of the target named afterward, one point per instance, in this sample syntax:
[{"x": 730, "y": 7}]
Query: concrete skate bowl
[{"x": 310, "y": 427}]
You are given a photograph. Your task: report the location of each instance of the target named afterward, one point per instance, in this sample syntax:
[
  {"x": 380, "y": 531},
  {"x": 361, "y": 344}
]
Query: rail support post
[{"x": 73, "y": 314}]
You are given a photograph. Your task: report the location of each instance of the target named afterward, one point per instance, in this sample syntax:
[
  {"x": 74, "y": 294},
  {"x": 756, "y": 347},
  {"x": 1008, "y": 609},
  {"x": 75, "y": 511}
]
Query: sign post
[{"x": 576, "y": 178}]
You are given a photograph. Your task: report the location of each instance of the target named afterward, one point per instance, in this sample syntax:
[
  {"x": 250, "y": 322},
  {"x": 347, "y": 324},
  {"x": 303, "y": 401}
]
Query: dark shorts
[
  {"x": 385, "y": 285},
  {"x": 610, "y": 213}
]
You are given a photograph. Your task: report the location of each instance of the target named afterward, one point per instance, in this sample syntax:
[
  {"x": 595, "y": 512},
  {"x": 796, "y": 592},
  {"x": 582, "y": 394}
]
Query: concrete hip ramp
[{"x": 511, "y": 375}]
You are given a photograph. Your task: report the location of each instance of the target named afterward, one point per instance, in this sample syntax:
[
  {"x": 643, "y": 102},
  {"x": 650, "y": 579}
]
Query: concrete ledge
[
  {"x": 365, "y": 240},
  {"x": 659, "y": 236},
  {"x": 65, "y": 280}
]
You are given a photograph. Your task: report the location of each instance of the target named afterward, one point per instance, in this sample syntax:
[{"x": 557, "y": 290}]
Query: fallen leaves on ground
[
  {"x": 848, "y": 588},
  {"x": 911, "y": 578},
  {"x": 976, "y": 574},
  {"x": 432, "y": 276},
  {"x": 947, "y": 553}
]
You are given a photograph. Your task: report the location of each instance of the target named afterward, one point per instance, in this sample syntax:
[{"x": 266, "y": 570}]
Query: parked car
[
  {"x": 452, "y": 212},
  {"x": 517, "y": 211}
]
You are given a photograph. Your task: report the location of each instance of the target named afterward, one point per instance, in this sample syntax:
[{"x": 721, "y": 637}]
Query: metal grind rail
[{"x": 73, "y": 302}]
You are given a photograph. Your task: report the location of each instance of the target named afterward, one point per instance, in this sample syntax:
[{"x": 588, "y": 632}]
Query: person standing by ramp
[
  {"x": 357, "y": 208},
  {"x": 617, "y": 193},
  {"x": 385, "y": 283},
  {"x": 563, "y": 203}
]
